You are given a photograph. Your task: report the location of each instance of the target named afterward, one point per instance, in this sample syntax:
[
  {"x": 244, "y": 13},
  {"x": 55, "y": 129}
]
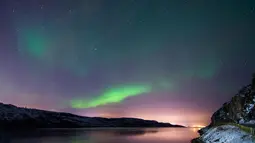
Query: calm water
[{"x": 119, "y": 135}]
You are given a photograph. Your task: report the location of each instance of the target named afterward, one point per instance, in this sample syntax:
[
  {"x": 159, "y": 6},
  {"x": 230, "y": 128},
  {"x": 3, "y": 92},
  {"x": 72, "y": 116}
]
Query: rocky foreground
[
  {"x": 24, "y": 118},
  {"x": 225, "y": 134},
  {"x": 234, "y": 122}
]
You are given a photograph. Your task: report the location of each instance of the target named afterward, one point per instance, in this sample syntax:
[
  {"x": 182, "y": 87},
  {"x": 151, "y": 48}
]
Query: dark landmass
[
  {"x": 12, "y": 117},
  {"x": 239, "y": 112}
]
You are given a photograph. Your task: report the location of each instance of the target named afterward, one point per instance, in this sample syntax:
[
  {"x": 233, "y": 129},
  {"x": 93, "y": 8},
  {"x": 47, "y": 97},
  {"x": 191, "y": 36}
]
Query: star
[
  {"x": 245, "y": 62},
  {"x": 252, "y": 9}
]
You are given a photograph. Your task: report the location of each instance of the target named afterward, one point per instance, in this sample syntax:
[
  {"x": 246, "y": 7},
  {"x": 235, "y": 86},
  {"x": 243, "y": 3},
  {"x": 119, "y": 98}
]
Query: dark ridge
[{"x": 12, "y": 117}]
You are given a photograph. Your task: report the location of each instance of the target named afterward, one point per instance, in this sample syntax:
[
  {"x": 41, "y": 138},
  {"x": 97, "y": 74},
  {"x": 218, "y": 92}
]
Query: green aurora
[
  {"x": 33, "y": 42},
  {"x": 112, "y": 95}
]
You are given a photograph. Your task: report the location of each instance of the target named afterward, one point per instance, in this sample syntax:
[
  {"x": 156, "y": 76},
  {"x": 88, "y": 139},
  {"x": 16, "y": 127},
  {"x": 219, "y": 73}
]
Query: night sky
[{"x": 168, "y": 60}]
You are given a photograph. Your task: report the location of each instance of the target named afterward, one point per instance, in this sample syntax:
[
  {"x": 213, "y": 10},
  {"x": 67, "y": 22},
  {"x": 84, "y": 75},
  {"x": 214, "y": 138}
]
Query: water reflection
[
  {"x": 101, "y": 135},
  {"x": 133, "y": 132},
  {"x": 173, "y": 135}
]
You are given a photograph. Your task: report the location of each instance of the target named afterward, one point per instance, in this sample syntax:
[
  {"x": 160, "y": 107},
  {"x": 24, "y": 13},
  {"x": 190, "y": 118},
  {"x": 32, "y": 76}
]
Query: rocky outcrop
[
  {"x": 240, "y": 110},
  {"x": 24, "y": 118},
  {"x": 226, "y": 134}
]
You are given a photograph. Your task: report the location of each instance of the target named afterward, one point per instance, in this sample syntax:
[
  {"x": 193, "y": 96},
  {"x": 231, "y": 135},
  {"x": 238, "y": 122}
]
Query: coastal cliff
[{"x": 234, "y": 122}]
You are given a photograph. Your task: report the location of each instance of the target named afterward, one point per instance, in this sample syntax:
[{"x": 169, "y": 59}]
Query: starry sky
[{"x": 168, "y": 60}]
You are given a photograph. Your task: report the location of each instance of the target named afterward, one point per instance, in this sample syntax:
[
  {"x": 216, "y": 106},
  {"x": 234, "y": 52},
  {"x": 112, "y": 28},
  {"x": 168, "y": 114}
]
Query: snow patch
[
  {"x": 226, "y": 134},
  {"x": 249, "y": 107},
  {"x": 241, "y": 121},
  {"x": 250, "y": 122}
]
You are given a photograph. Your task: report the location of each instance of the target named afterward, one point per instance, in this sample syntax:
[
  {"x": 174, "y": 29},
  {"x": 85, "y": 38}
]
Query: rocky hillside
[
  {"x": 240, "y": 111},
  {"x": 16, "y": 117}
]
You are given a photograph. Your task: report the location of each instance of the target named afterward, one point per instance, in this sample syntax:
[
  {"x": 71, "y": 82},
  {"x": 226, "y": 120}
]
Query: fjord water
[{"x": 102, "y": 135}]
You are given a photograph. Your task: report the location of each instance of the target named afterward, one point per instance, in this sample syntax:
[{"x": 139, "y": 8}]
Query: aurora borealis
[
  {"x": 114, "y": 95},
  {"x": 168, "y": 60}
]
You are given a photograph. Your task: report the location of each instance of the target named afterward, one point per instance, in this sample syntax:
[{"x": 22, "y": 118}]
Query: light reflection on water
[{"x": 113, "y": 135}]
